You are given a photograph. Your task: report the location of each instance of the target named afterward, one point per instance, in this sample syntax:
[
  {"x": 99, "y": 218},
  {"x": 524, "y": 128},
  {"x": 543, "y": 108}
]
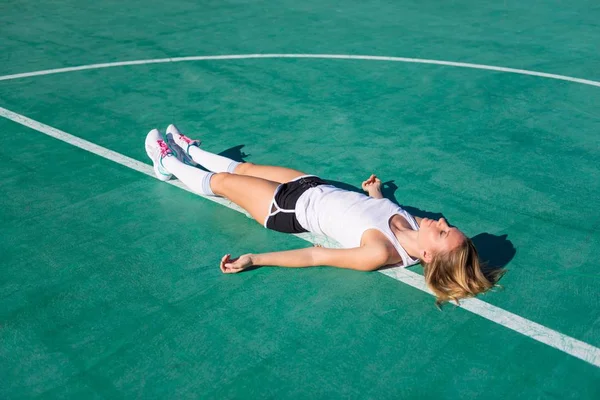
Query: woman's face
[{"x": 437, "y": 237}]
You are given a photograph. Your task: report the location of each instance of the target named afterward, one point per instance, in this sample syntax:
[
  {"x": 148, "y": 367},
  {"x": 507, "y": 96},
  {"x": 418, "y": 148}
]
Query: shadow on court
[{"x": 235, "y": 153}]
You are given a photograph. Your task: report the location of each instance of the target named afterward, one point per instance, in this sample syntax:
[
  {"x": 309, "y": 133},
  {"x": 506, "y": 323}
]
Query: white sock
[
  {"x": 211, "y": 161},
  {"x": 196, "y": 179}
]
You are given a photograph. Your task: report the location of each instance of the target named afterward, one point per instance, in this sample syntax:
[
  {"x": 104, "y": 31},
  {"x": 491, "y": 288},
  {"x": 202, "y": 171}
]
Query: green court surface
[{"x": 109, "y": 279}]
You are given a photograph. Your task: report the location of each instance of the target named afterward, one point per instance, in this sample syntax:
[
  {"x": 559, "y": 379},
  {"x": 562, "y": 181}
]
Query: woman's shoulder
[{"x": 381, "y": 245}]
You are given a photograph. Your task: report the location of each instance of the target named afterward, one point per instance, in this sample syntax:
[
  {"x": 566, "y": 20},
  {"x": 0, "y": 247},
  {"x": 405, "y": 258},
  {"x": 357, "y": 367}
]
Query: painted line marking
[
  {"x": 312, "y": 56},
  {"x": 103, "y": 152},
  {"x": 540, "y": 333}
]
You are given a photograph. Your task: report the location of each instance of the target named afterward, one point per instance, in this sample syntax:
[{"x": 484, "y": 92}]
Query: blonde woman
[{"x": 374, "y": 231}]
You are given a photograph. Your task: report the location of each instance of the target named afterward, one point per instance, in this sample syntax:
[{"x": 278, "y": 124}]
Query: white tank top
[{"x": 345, "y": 216}]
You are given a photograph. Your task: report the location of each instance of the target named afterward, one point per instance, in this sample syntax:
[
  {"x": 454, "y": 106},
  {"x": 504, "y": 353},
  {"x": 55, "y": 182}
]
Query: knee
[
  {"x": 243, "y": 168},
  {"x": 218, "y": 182}
]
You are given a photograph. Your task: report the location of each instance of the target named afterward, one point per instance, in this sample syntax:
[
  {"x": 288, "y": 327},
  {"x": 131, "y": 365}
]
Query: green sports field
[{"x": 485, "y": 112}]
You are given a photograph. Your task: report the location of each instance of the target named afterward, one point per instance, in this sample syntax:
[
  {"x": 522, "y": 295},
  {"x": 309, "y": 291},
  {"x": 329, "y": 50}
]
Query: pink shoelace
[
  {"x": 188, "y": 140},
  {"x": 164, "y": 149}
]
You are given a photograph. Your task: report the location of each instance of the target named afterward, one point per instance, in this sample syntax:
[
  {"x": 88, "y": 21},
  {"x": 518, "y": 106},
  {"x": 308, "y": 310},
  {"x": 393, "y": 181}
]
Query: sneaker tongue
[{"x": 179, "y": 153}]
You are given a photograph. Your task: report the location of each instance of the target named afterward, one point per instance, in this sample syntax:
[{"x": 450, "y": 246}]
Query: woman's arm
[
  {"x": 364, "y": 258},
  {"x": 376, "y": 193}
]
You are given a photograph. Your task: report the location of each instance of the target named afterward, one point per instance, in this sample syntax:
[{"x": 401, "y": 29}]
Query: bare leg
[
  {"x": 251, "y": 193},
  {"x": 275, "y": 174}
]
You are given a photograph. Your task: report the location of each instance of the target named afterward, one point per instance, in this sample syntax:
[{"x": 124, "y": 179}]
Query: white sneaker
[
  {"x": 181, "y": 154},
  {"x": 183, "y": 142},
  {"x": 157, "y": 149}
]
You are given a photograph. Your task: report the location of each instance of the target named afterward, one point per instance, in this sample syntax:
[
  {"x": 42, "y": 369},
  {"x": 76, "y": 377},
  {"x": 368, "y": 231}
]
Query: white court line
[
  {"x": 103, "y": 152},
  {"x": 564, "y": 343},
  {"x": 313, "y": 56}
]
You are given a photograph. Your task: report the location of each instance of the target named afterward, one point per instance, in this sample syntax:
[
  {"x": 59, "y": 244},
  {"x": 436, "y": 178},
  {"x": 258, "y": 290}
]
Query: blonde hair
[{"x": 459, "y": 274}]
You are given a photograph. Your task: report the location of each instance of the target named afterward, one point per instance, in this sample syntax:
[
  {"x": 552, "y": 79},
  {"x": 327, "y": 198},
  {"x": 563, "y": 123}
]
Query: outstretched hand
[
  {"x": 235, "y": 265},
  {"x": 373, "y": 183}
]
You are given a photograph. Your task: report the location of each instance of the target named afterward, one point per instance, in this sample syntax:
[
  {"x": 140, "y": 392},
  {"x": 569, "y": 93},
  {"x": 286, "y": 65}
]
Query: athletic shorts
[{"x": 282, "y": 214}]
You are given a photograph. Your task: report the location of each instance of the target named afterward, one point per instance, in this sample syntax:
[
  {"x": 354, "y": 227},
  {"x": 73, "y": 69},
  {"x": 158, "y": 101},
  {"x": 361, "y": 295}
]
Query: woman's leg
[
  {"x": 251, "y": 193},
  {"x": 216, "y": 163},
  {"x": 276, "y": 174}
]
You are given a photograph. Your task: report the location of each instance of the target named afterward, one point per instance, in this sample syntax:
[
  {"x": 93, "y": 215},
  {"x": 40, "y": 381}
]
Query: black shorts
[{"x": 282, "y": 215}]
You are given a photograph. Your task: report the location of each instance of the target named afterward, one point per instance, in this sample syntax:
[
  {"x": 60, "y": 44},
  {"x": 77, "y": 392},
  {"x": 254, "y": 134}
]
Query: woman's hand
[
  {"x": 232, "y": 266},
  {"x": 372, "y": 184}
]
